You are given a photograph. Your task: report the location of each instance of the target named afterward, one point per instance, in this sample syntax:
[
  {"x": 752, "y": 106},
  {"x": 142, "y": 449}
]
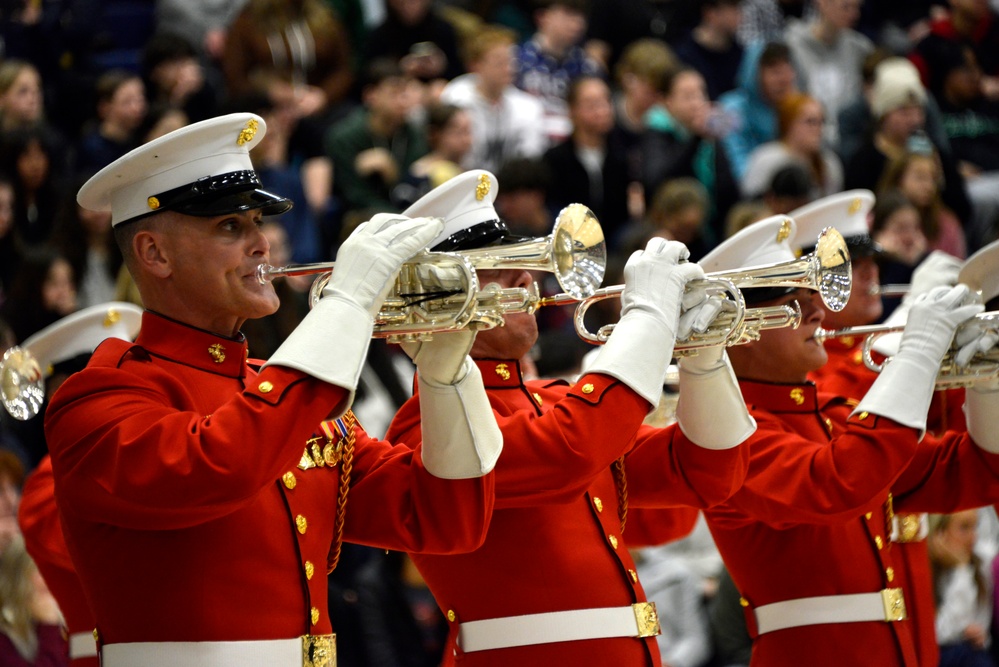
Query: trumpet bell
[
  {"x": 835, "y": 272},
  {"x": 22, "y": 387}
]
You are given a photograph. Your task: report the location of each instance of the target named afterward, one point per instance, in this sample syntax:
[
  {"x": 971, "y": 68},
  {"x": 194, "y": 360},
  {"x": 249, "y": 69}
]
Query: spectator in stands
[
  {"x": 43, "y": 291},
  {"x": 898, "y": 229},
  {"x": 682, "y": 139},
  {"x": 296, "y": 52},
  {"x": 552, "y": 58},
  {"x": 84, "y": 238},
  {"x": 11, "y": 481},
  {"x": 898, "y": 102},
  {"x": 521, "y": 202},
  {"x": 799, "y": 127},
  {"x": 9, "y": 247},
  {"x": 21, "y": 102},
  {"x": 121, "y": 108},
  {"x": 592, "y": 169},
  {"x": 205, "y": 23},
  {"x": 375, "y": 146},
  {"x": 415, "y": 35},
  {"x": 766, "y": 20},
  {"x": 766, "y": 77},
  {"x": 856, "y": 122},
  {"x": 30, "y": 627},
  {"x": 507, "y": 123},
  {"x": 449, "y": 136},
  {"x": 679, "y": 211},
  {"x": 918, "y": 175},
  {"x": 175, "y": 77},
  {"x": 971, "y": 122},
  {"x": 969, "y": 22},
  {"x": 963, "y": 588},
  {"x": 712, "y": 48},
  {"x": 30, "y": 157},
  {"x": 828, "y": 53},
  {"x": 640, "y": 73}
]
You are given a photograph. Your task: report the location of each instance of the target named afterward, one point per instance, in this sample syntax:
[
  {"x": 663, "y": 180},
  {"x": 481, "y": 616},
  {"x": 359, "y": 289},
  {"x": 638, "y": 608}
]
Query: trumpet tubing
[
  {"x": 983, "y": 366},
  {"x": 440, "y": 291}
]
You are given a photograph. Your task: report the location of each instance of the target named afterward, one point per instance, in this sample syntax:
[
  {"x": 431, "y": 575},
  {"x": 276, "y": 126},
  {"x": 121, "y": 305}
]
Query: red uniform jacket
[
  {"x": 555, "y": 542},
  {"x": 812, "y": 516},
  {"x": 846, "y": 375},
  {"x": 39, "y": 521},
  {"x": 191, "y": 507}
]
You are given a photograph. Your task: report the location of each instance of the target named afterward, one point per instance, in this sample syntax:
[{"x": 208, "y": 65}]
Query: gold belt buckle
[
  {"x": 647, "y": 618},
  {"x": 908, "y": 527},
  {"x": 319, "y": 650},
  {"x": 894, "y": 603}
]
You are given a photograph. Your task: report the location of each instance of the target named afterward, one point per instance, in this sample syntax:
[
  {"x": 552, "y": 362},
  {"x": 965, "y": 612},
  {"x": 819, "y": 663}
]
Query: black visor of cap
[
  {"x": 233, "y": 192},
  {"x": 481, "y": 235},
  {"x": 755, "y": 295}
]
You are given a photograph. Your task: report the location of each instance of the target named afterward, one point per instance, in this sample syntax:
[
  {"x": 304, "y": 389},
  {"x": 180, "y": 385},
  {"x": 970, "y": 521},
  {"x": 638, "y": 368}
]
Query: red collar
[
  {"x": 780, "y": 397},
  {"x": 206, "y": 351},
  {"x": 500, "y": 373}
]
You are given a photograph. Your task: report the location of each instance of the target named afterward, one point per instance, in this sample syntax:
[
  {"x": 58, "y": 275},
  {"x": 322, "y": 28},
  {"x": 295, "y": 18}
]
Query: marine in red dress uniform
[
  {"x": 845, "y": 374},
  {"x": 806, "y": 538},
  {"x": 202, "y": 500},
  {"x": 60, "y": 349},
  {"x": 579, "y": 474}
]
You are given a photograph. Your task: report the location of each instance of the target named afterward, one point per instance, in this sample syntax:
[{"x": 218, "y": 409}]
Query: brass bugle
[
  {"x": 440, "y": 291},
  {"x": 22, "y": 385},
  {"x": 982, "y": 367},
  {"x": 826, "y": 270}
]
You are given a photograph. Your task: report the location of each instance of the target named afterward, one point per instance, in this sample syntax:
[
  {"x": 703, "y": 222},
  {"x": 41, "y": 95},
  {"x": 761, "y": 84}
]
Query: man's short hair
[
  {"x": 649, "y": 59},
  {"x": 485, "y": 40},
  {"x": 380, "y": 70},
  {"x": 582, "y": 6},
  {"x": 775, "y": 53}
]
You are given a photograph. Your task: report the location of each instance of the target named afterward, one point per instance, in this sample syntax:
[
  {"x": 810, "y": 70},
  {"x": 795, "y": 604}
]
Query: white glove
[
  {"x": 905, "y": 387},
  {"x": 331, "y": 342},
  {"x": 369, "y": 260},
  {"x": 711, "y": 411},
  {"x": 973, "y": 337},
  {"x": 444, "y": 358},
  {"x": 697, "y": 318},
  {"x": 640, "y": 349},
  {"x": 938, "y": 270}
]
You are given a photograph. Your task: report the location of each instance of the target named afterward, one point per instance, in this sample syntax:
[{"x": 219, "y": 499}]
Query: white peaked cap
[
  {"x": 980, "y": 272},
  {"x": 765, "y": 242},
  {"x": 845, "y": 211},
  {"x": 462, "y": 202},
  {"x": 202, "y": 169},
  {"x": 81, "y": 332}
]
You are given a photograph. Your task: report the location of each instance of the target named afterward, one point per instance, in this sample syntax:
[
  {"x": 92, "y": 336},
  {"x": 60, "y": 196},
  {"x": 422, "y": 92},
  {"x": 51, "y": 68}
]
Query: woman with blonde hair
[
  {"x": 21, "y": 102},
  {"x": 30, "y": 622},
  {"x": 800, "y": 120}
]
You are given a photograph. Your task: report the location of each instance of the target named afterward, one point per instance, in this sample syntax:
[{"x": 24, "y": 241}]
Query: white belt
[
  {"x": 82, "y": 645},
  {"x": 307, "y": 651},
  {"x": 637, "y": 620},
  {"x": 886, "y": 605},
  {"x": 909, "y": 527}
]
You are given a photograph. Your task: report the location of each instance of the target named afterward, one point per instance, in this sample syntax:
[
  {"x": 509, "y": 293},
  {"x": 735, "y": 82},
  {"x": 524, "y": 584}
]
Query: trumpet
[
  {"x": 982, "y": 367},
  {"x": 22, "y": 385},
  {"x": 827, "y": 270},
  {"x": 440, "y": 291},
  {"x": 890, "y": 290}
]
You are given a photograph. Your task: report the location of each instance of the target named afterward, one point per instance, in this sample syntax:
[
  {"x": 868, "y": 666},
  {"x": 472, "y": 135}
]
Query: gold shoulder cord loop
[
  {"x": 621, "y": 482},
  {"x": 346, "y": 464}
]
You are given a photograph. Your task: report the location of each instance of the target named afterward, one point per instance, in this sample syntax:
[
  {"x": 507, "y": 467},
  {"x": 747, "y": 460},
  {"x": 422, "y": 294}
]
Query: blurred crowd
[{"x": 674, "y": 118}]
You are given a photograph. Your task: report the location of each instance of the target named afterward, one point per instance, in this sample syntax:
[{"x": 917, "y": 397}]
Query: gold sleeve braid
[
  {"x": 346, "y": 465},
  {"x": 621, "y": 482}
]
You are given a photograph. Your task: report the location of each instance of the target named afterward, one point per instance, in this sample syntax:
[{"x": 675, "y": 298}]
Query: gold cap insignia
[
  {"x": 854, "y": 206},
  {"x": 785, "y": 231},
  {"x": 153, "y": 202},
  {"x": 503, "y": 371},
  {"x": 482, "y": 189},
  {"x": 111, "y": 318},
  {"x": 798, "y": 396},
  {"x": 247, "y": 133},
  {"x": 217, "y": 353}
]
